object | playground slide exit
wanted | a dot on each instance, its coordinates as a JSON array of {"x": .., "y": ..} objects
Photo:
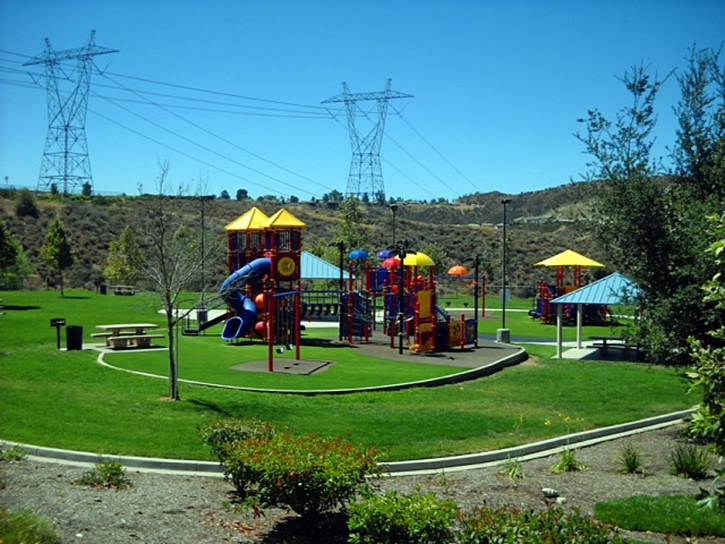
[{"x": 243, "y": 307}]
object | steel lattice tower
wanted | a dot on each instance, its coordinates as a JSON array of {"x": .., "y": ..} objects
[
  {"x": 65, "y": 157},
  {"x": 366, "y": 175}
]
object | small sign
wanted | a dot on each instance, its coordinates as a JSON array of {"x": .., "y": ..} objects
[{"x": 57, "y": 322}]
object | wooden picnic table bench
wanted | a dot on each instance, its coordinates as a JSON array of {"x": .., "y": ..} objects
[
  {"x": 122, "y": 289},
  {"x": 127, "y": 335},
  {"x": 604, "y": 343},
  {"x": 132, "y": 341}
]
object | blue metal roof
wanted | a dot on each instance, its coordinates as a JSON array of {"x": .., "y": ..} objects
[
  {"x": 614, "y": 289},
  {"x": 315, "y": 268}
]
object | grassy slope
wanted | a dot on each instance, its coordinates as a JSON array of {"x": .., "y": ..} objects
[{"x": 65, "y": 400}]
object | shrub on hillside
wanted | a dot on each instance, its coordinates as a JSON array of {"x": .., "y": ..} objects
[{"x": 25, "y": 204}]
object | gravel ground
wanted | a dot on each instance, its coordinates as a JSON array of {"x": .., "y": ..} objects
[{"x": 180, "y": 509}]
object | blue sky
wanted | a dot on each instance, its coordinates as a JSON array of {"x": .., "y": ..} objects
[{"x": 498, "y": 88}]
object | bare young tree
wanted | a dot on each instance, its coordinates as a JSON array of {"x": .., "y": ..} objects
[{"x": 173, "y": 259}]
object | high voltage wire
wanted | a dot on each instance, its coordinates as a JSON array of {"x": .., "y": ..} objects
[
  {"x": 198, "y": 127},
  {"x": 449, "y": 163},
  {"x": 208, "y": 149},
  {"x": 309, "y": 112}
]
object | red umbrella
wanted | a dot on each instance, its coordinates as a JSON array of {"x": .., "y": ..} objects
[
  {"x": 390, "y": 262},
  {"x": 458, "y": 270}
]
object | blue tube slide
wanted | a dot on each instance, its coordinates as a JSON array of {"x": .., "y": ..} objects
[{"x": 243, "y": 307}]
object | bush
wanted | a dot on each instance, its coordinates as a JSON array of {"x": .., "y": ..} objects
[
  {"x": 109, "y": 474},
  {"x": 309, "y": 474},
  {"x": 689, "y": 461},
  {"x": 25, "y": 204},
  {"x": 550, "y": 527},
  {"x": 401, "y": 519},
  {"x": 26, "y": 527},
  {"x": 218, "y": 434}
]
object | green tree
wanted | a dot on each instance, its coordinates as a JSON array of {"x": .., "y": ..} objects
[
  {"x": 125, "y": 259},
  {"x": 650, "y": 224},
  {"x": 56, "y": 252},
  {"x": 14, "y": 263},
  {"x": 351, "y": 228},
  {"x": 708, "y": 380},
  {"x": 242, "y": 194},
  {"x": 8, "y": 249},
  {"x": 224, "y": 195},
  {"x": 87, "y": 189},
  {"x": 25, "y": 204}
]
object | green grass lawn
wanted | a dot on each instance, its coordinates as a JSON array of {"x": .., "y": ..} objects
[
  {"x": 676, "y": 514},
  {"x": 64, "y": 399}
]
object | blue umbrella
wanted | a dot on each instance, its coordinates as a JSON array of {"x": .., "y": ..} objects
[
  {"x": 358, "y": 254},
  {"x": 384, "y": 254}
]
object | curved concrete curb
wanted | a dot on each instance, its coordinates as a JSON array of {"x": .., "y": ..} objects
[
  {"x": 475, "y": 373},
  {"x": 400, "y": 468}
]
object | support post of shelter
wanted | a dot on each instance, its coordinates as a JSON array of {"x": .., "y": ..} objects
[
  {"x": 579, "y": 324},
  {"x": 559, "y": 332}
]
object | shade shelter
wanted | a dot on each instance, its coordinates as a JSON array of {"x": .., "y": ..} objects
[
  {"x": 316, "y": 268},
  {"x": 565, "y": 259},
  {"x": 613, "y": 289}
]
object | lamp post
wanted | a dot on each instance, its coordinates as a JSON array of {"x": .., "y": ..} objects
[
  {"x": 503, "y": 334},
  {"x": 393, "y": 208},
  {"x": 341, "y": 246}
]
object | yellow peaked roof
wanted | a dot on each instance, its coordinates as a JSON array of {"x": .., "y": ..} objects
[
  {"x": 284, "y": 219},
  {"x": 252, "y": 219},
  {"x": 569, "y": 258}
]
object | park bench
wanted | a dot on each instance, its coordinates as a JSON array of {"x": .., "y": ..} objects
[
  {"x": 125, "y": 290},
  {"x": 605, "y": 343},
  {"x": 135, "y": 341}
]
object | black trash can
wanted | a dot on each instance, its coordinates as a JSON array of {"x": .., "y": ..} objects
[
  {"x": 104, "y": 289},
  {"x": 202, "y": 316},
  {"x": 74, "y": 337}
]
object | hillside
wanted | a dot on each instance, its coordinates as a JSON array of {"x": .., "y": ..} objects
[{"x": 541, "y": 224}]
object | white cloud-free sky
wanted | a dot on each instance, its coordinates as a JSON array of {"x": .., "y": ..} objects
[{"x": 498, "y": 87}]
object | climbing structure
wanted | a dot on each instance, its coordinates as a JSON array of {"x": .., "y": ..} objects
[{"x": 545, "y": 292}]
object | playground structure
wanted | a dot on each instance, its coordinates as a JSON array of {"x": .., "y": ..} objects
[
  {"x": 545, "y": 311},
  {"x": 409, "y": 306},
  {"x": 264, "y": 297},
  {"x": 263, "y": 290}
]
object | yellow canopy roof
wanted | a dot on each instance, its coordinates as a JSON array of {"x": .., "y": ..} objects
[
  {"x": 253, "y": 219},
  {"x": 285, "y": 220},
  {"x": 417, "y": 259},
  {"x": 569, "y": 258}
]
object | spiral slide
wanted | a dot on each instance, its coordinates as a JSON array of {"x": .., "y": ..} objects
[{"x": 243, "y": 307}]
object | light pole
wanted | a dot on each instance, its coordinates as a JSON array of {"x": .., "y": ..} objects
[
  {"x": 504, "y": 335},
  {"x": 393, "y": 208},
  {"x": 341, "y": 246}
]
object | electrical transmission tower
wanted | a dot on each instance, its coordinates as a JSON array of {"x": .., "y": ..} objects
[
  {"x": 65, "y": 157},
  {"x": 366, "y": 175}
]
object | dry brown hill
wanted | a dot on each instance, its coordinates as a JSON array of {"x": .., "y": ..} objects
[{"x": 541, "y": 224}]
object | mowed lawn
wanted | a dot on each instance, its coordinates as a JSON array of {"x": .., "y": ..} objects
[{"x": 65, "y": 399}]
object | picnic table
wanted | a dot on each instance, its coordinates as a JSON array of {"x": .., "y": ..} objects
[
  {"x": 604, "y": 343},
  {"x": 127, "y": 335}
]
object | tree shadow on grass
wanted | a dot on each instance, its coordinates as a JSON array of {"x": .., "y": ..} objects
[
  {"x": 210, "y": 406},
  {"x": 76, "y": 297},
  {"x": 14, "y": 308}
]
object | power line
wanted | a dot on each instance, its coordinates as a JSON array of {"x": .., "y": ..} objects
[
  {"x": 400, "y": 114},
  {"x": 182, "y": 153},
  {"x": 255, "y": 155}
]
